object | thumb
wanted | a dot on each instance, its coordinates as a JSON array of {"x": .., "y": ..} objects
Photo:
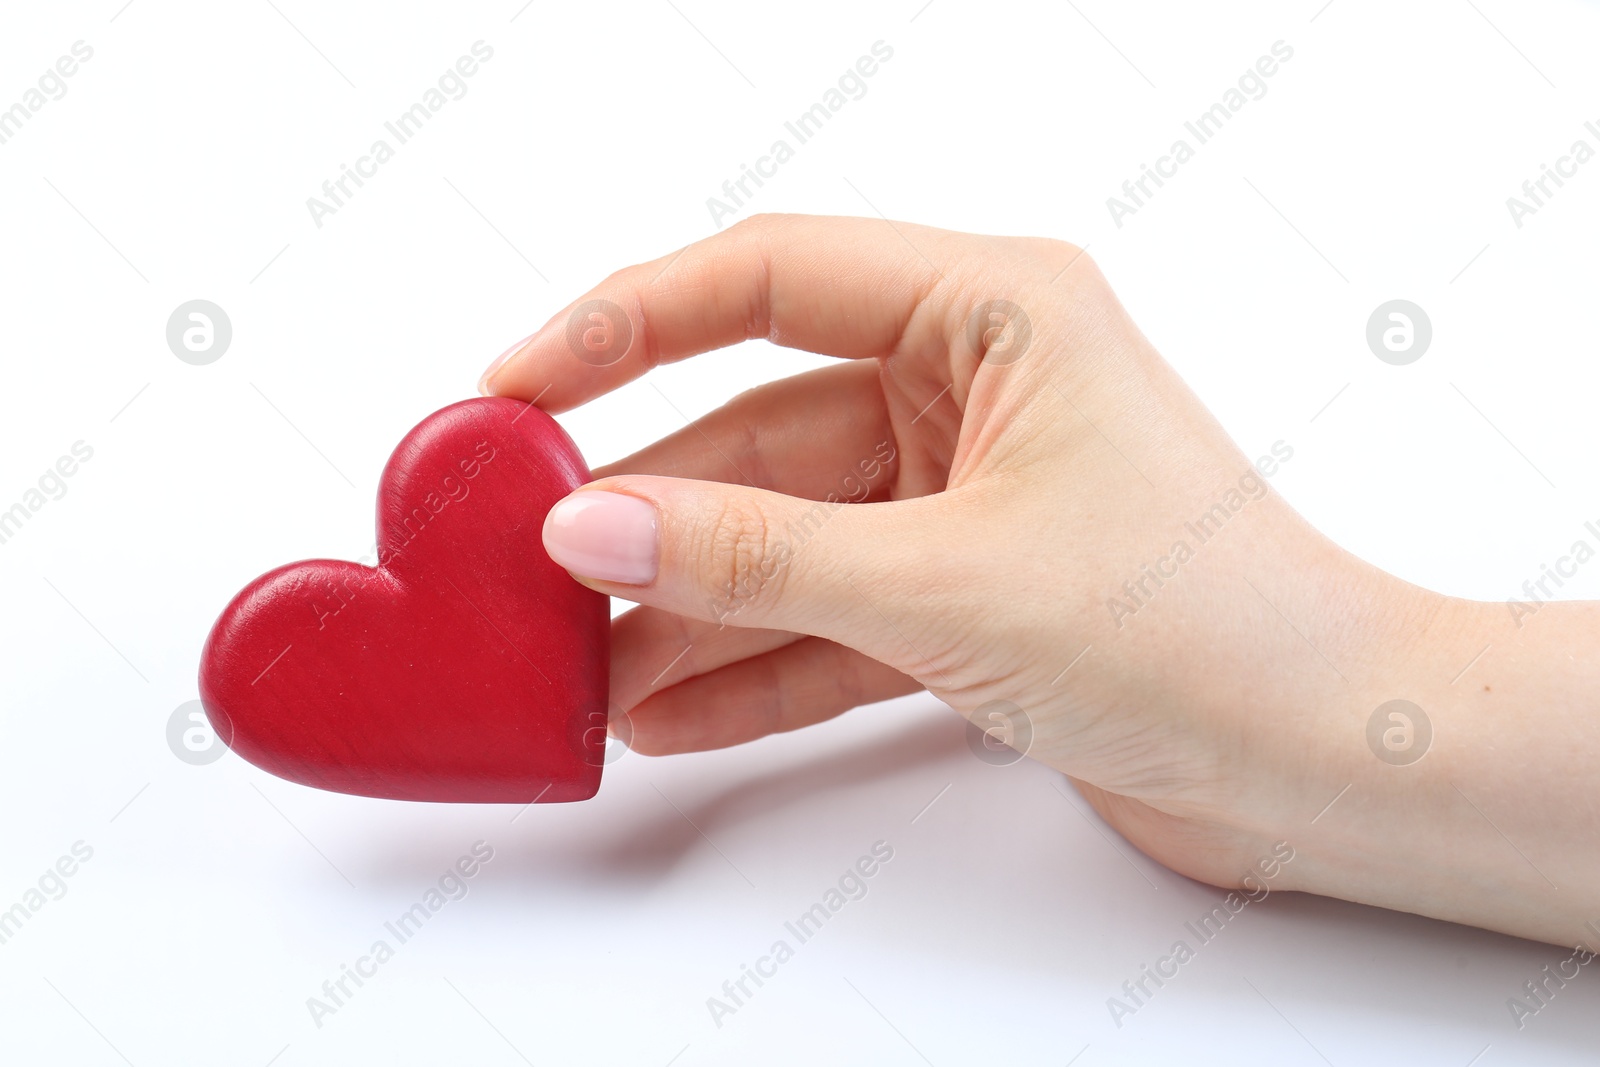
[{"x": 741, "y": 556}]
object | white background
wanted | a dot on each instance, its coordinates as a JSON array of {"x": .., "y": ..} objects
[{"x": 219, "y": 899}]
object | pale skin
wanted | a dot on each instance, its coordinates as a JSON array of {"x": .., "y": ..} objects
[{"x": 1221, "y": 717}]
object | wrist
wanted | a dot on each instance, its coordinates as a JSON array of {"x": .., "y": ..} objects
[{"x": 1455, "y": 791}]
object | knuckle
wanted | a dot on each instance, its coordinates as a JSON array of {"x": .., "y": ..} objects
[
  {"x": 1054, "y": 254},
  {"x": 1055, "y": 248},
  {"x": 746, "y": 555},
  {"x": 760, "y": 222}
]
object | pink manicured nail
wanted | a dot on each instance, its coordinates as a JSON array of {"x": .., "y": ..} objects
[
  {"x": 609, "y": 536},
  {"x": 483, "y": 382}
]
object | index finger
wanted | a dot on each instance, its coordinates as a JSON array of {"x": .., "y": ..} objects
[{"x": 844, "y": 287}]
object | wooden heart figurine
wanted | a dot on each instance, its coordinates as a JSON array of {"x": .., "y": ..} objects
[{"x": 464, "y": 666}]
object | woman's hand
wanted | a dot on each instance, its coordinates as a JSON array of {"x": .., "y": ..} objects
[{"x": 1005, "y": 496}]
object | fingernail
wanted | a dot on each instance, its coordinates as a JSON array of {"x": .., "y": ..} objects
[
  {"x": 483, "y": 382},
  {"x": 609, "y": 536}
]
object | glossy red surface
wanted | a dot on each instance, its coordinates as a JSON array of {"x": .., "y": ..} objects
[{"x": 464, "y": 666}]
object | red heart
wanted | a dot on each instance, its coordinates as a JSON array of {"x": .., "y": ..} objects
[{"x": 465, "y": 666}]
